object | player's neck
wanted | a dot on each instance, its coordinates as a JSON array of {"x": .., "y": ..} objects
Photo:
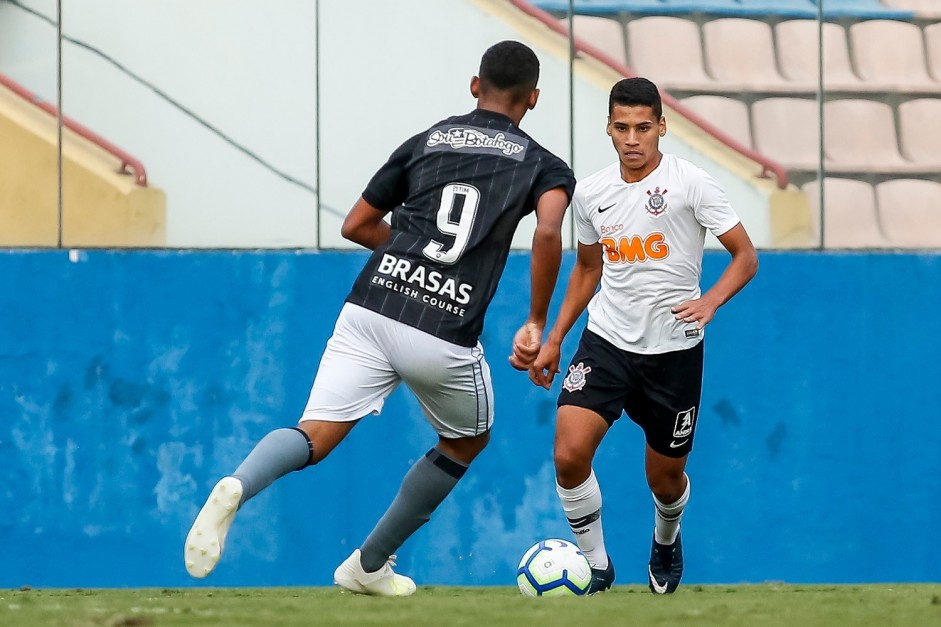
[{"x": 514, "y": 112}]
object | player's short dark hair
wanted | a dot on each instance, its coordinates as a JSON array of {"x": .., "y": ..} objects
[
  {"x": 510, "y": 66},
  {"x": 633, "y": 92}
]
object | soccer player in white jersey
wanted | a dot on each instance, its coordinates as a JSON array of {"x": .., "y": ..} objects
[
  {"x": 457, "y": 192},
  {"x": 641, "y": 225}
]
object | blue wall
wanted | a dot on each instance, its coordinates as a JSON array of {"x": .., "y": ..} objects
[{"x": 131, "y": 381}]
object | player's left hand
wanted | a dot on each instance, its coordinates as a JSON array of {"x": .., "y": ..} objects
[
  {"x": 546, "y": 365},
  {"x": 526, "y": 345},
  {"x": 699, "y": 311}
]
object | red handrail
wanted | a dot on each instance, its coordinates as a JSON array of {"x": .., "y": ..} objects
[
  {"x": 127, "y": 161},
  {"x": 767, "y": 165}
]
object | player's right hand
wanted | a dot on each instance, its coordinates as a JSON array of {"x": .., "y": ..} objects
[{"x": 526, "y": 345}]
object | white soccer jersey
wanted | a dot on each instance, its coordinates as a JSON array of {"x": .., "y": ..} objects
[{"x": 652, "y": 232}]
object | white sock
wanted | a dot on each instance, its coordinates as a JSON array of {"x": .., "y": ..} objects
[
  {"x": 582, "y": 506},
  {"x": 667, "y": 517}
]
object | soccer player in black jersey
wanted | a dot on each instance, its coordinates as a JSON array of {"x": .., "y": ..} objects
[{"x": 456, "y": 193}]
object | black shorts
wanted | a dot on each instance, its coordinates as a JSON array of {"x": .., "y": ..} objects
[{"x": 661, "y": 393}]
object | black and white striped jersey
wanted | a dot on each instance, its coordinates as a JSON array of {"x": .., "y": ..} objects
[{"x": 457, "y": 192}]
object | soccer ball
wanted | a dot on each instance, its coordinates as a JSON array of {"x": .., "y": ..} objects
[{"x": 553, "y": 568}]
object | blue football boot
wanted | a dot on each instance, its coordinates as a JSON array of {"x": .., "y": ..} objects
[
  {"x": 666, "y": 566},
  {"x": 601, "y": 580}
]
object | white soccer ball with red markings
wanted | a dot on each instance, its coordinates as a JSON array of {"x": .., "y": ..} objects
[{"x": 553, "y": 568}]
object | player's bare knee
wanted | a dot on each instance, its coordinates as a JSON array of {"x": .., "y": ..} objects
[
  {"x": 572, "y": 465},
  {"x": 323, "y": 437},
  {"x": 477, "y": 444},
  {"x": 464, "y": 449}
]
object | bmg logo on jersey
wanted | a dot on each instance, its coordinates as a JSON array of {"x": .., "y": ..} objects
[{"x": 634, "y": 248}]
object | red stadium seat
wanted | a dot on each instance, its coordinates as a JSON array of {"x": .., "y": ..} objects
[
  {"x": 850, "y": 218},
  {"x": 798, "y": 55},
  {"x": 729, "y": 114},
  {"x": 920, "y": 131},
  {"x": 933, "y": 49},
  {"x": 859, "y": 136},
  {"x": 740, "y": 55},
  {"x": 910, "y": 212},
  {"x": 890, "y": 56},
  {"x": 605, "y": 34},
  {"x": 776, "y": 135},
  {"x": 678, "y": 65}
]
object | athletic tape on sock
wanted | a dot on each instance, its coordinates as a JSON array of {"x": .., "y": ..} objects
[
  {"x": 310, "y": 448},
  {"x": 445, "y": 463}
]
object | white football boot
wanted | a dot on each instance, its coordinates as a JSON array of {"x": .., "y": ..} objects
[
  {"x": 384, "y": 582},
  {"x": 204, "y": 542}
]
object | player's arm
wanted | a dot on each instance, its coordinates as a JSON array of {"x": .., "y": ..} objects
[
  {"x": 364, "y": 225},
  {"x": 544, "y": 272},
  {"x": 386, "y": 190},
  {"x": 583, "y": 282},
  {"x": 737, "y": 274}
]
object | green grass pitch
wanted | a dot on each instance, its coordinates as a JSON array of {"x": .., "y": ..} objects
[{"x": 745, "y": 605}]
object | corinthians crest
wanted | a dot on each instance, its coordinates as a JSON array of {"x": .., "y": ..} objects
[
  {"x": 577, "y": 377},
  {"x": 656, "y": 205}
]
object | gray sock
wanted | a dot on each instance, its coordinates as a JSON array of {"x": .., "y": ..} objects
[
  {"x": 426, "y": 484},
  {"x": 278, "y": 453}
]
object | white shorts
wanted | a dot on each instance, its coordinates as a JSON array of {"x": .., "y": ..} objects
[{"x": 369, "y": 354}]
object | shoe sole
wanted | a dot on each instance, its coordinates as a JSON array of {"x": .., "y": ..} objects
[
  {"x": 350, "y": 584},
  {"x": 204, "y": 542}
]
